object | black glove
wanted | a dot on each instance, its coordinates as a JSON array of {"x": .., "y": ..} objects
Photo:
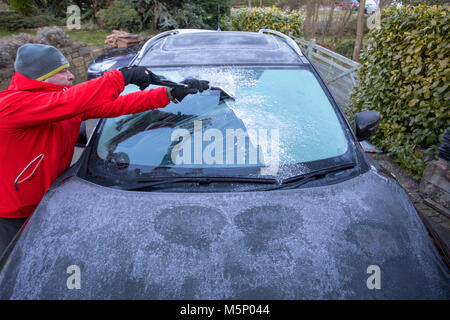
[
  {"x": 139, "y": 76},
  {"x": 200, "y": 85},
  {"x": 177, "y": 94},
  {"x": 194, "y": 85}
]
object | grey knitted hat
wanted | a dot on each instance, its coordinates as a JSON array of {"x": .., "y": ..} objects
[{"x": 39, "y": 61}]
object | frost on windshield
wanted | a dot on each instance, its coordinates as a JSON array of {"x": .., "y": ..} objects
[{"x": 279, "y": 117}]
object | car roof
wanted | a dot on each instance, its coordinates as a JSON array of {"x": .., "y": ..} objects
[{"x": 208, "y": 47}]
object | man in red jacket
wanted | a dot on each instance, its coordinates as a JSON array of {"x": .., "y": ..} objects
[{"x": 40, "y": 117}]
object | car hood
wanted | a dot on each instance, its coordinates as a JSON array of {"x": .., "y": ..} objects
[{"x": 358, "y": 239}]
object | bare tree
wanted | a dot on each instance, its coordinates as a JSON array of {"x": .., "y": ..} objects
[
  {"x": 308, "y": 19},
  {"x": 249, "y": 3},
  {"x": 309, "y": 16},
  {"x": 332, "y": 4},
  {"x": 359, "y": 30},
  {"x": 345, "y": 20},
  {"x": 315, "y": 17},
  {"x": 261, "y": 3}
]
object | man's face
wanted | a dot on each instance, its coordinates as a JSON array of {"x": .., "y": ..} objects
[{"x": 62, "y": 78}]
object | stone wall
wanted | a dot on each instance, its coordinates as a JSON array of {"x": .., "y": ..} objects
[{"x": 78, "y": 54}]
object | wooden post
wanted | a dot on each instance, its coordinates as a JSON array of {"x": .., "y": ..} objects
[{"x": 311, "y": 46}]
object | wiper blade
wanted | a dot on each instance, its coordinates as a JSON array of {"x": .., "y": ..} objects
[
  {"x": 146, "y": 183},
  {"x": 320, "y": 172},
  {"x": 299, "y": 180},
  {"x": 289, "y": 183}
]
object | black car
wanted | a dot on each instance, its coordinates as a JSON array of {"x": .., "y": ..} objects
[
  {"x": 261, "y": 193},
  {"x": 114, "y": 59}
]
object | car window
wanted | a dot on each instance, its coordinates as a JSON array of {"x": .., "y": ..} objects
[{"x": 279, "y": 117}]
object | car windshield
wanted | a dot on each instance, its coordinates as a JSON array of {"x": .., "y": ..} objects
[{"x": 279, "y": 123}]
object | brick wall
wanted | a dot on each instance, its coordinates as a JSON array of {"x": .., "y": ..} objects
[{"x": 78, "y": 54}]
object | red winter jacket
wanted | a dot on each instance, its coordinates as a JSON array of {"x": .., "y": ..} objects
[{"x": 41, "y": 121}]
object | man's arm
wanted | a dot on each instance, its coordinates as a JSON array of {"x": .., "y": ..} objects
[
  {"x": 130, "y": 103},
  {"x": 23, "y": 108},
  {"x": 145, "y": 100}
]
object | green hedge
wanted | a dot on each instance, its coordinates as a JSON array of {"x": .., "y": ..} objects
[
  {"x": 11, "y": 20},
  {"x": 24, "y": 7},
  {"x": 267, "y": 18},
  {"x": 345, "y": 47},
  {"x": 405, "y": 76}
]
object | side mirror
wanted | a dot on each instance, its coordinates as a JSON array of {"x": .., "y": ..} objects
[
  {"x": 366, "y": 124},
  {"x": 82, "y": 137}
]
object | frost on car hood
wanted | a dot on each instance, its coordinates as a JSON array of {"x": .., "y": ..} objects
[{"x": 312, "y": 243}]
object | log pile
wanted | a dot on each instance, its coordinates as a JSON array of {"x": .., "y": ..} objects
[{"x": 121, "y": 39}]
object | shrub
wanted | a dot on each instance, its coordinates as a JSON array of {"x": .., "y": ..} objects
[
  {"x": 11, "y": 20},
  {"x": 351, "y": 27},
  {"x": 345, "y": 47},
  {"x": 190, "y": 16},
  {"x": 9, "y": 47},
  {"x": 120, "y": 15},
  {"x": 180, "y": 14},
  {"x": 267, "y": 18},
  {"x": 5, "y": 59},
  {"x": 24, "y": 7},
  {"x": 145, "y": 10},
  {"x": 404, "y": 76},
  {"x": 53, "y": 36},
  {"x": 49, "y": 35},
  {"x": 213, "y": 10}
]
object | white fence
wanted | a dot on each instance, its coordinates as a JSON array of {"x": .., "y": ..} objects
[{"x": 339, "y": 71}]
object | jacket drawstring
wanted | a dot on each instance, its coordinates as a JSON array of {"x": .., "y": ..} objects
[{"x": 17, "y": 181}]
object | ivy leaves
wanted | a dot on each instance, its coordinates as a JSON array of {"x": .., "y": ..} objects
[{"x": 404, "y": 75}]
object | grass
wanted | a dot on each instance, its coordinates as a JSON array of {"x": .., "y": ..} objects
[
  {"x": 93, "y": 38},
  {"x": 7, "y": 33}
]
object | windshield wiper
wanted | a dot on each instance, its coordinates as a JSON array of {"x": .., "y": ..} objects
[
  {"x": 299, "y": 180},
  {"x": 289, "y": 183},
  {"x": 146, "y": 183}
]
